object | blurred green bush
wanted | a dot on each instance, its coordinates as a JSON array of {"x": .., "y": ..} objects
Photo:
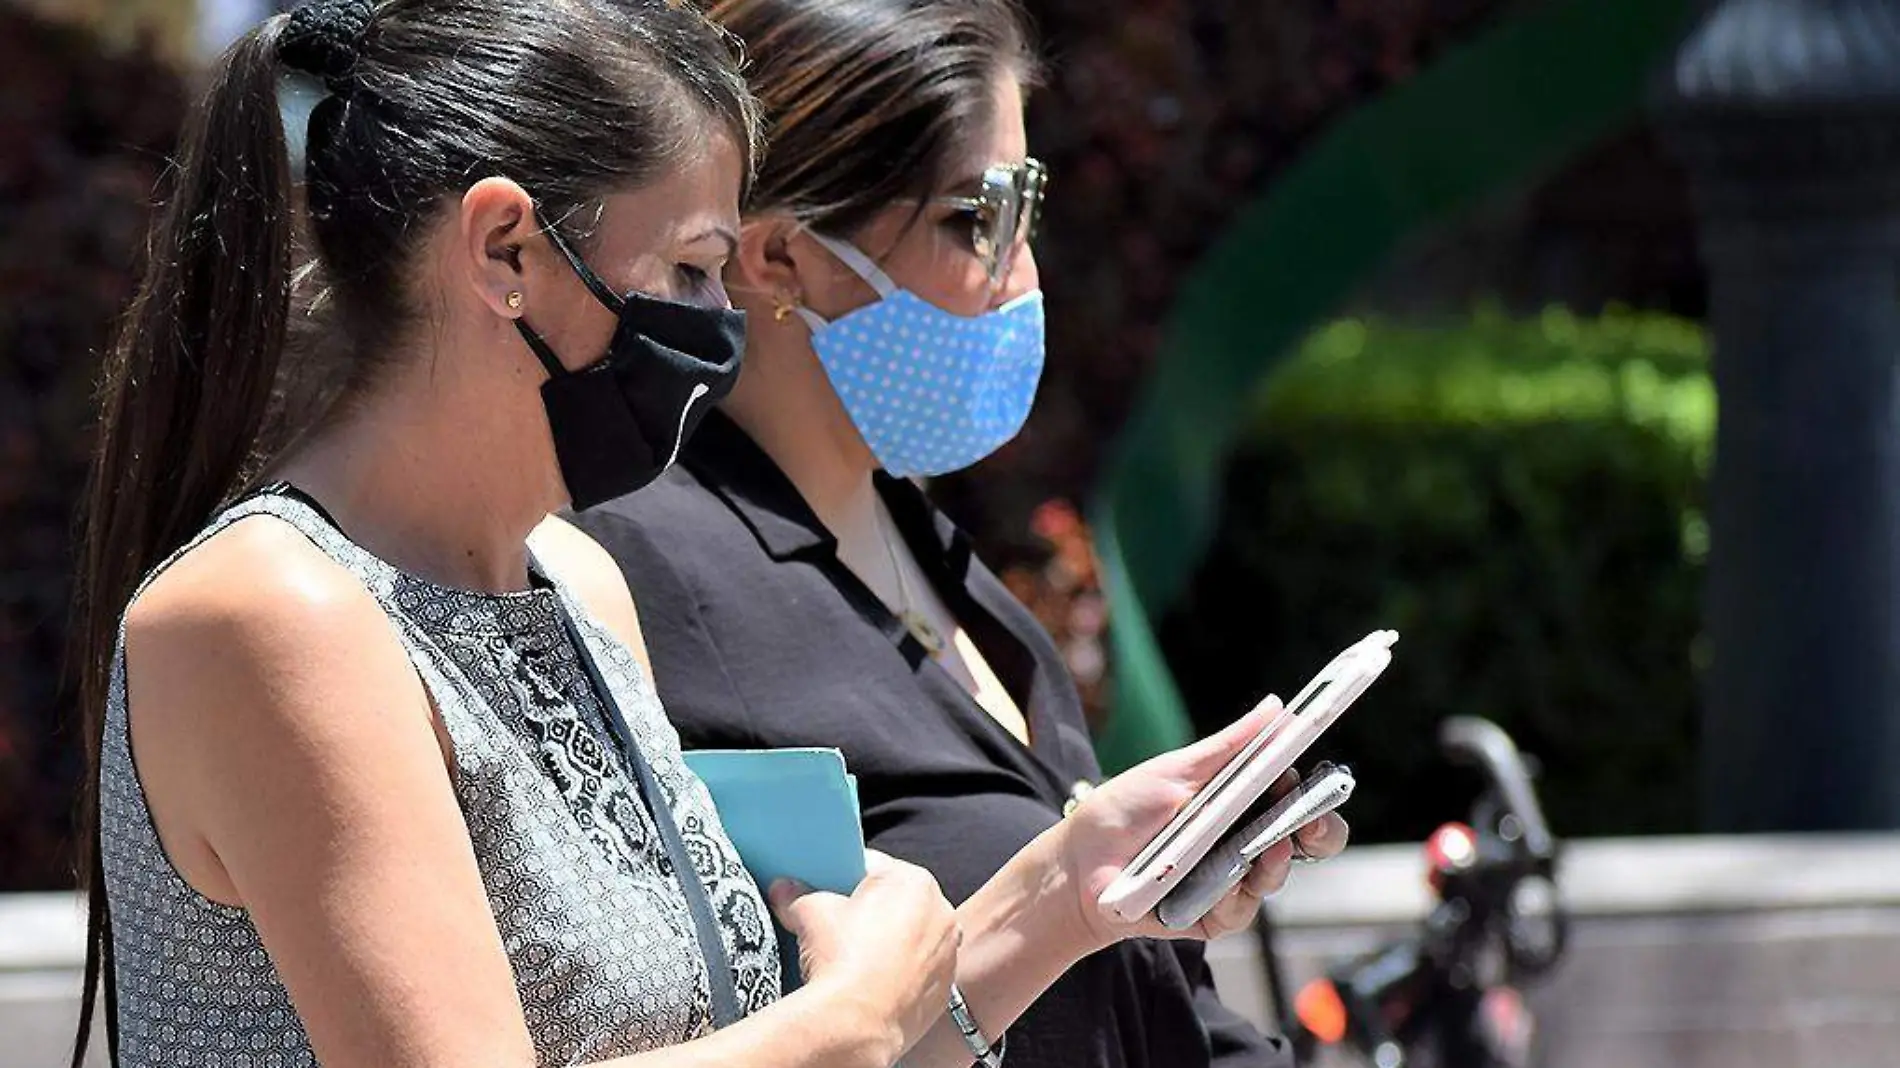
[{"x": 1523, "y": 501}]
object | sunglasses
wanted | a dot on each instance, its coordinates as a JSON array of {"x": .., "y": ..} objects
[{"x": 1003, "y": 213}]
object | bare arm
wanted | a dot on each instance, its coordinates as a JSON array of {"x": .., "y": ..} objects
[{"x": 289, "y": 753}]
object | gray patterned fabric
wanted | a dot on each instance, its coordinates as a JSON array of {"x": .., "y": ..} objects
[{"x": 594, "y": 922}]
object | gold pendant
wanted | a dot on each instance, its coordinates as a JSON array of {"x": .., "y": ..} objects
[{"x": 925, "y": 634}]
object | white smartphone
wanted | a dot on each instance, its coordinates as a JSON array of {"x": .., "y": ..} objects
[
  {"x": 1220, "y": 804},
  {"x": 1327, "y": 788}
]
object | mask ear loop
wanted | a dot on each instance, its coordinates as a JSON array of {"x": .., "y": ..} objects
[
  {"x": 861, "y": 265},
  {"x": 598, "y": 288},
  {"x": 614, "y": 301},
  {"x": 549, "y": 361}
]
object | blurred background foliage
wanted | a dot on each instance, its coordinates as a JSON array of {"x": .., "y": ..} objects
[
  {"x": 1161, "y": 120},
  {"x": 1521, "y": 498}
]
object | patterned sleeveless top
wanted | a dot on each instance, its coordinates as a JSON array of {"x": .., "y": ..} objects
[{"x": 594, "y": 921}]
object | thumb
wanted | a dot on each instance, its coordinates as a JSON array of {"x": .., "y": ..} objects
[
  {"x": 783, "y": 896},
  {"x": 794, "y": 904},
  {"x": 879, "y": 865},
  {"x": 1199, "y": 762}
]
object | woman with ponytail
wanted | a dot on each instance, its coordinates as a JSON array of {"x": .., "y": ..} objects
[{"x": 379, "y": 778}]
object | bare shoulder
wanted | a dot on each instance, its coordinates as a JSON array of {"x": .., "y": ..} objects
[
  {"x": 258, "y": 589},
  {"x": 257, "y": 632},
  {"x": 258, "y": 667},
  {"x": 590, "y": 571}
]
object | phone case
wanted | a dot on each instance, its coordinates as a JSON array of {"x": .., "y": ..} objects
[
  {"x": 1223, "y": 869},
  {"x": 1226, "y": 798}
]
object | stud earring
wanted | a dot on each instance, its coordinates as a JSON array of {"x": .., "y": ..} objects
[{"x": 514, "y": 300}]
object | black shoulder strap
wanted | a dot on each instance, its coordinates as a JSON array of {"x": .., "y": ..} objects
[
  {"x": 725, "y": 993},
  {"x": 285, "y": 489}
]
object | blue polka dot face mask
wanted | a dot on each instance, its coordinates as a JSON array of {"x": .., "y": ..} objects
[{"x": 930, "y": 391}]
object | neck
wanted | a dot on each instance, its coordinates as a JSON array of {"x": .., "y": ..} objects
[
  {"x": 800, "y": 423},
  {"x": 410, "y": 478}
]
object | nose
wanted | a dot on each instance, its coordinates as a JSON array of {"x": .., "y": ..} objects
[{"x": 1024, "y": 277}]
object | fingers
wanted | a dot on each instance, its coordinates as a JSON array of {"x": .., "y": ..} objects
[
  {"x": 1236, "y": 912},
  {"x": 1323, "y": 838},
  {"x": 799, "y": 907},
  {"x": 893, "y": 880},
  {"x": 884, "y": 874},
  {"x": 1199, "y": 762},
  {"x": 880, "y": 868},
  {"x": 1285, "y": 783},
  {"x": 1269, "y": 873},
  {"x": 784, "y": 892}
]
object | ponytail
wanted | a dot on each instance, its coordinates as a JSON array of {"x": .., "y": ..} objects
[{"x": 184, "y": 394}]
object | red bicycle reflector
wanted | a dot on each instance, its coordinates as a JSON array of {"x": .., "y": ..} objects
[
  {"x": 1453, "y": 847},
  {"x": 1321, "y": 1011}
]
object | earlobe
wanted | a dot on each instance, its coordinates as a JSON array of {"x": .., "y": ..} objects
[
  {"x": 497, "y": 220},
  {"x": 783, "y": 305}
]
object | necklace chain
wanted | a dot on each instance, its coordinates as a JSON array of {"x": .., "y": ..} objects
[{"x": 912, "y": 619}]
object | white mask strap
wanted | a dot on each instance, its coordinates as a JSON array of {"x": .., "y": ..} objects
[{"x": 859, "y": 263}]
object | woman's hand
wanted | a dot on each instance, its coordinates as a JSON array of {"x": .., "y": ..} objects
[
  {"x": 890, "y": 949},
  {"x": 1116, "y": 821},
  {"x": 1038, "y": 916}
]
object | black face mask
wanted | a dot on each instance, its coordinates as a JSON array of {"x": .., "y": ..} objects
[{"x": 620, "y": 422}]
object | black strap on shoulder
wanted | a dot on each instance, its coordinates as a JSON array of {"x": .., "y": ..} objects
[
  {"x": 285, "y": 489},
  {"x": 725, "y": 992}
]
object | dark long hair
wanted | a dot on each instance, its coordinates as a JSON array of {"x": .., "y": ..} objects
[
  {"x": 573, "y": 99},
  {"x": 868, "y": 102}
]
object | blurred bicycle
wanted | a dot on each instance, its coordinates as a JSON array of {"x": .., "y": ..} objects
[{"x": 1448, "y": 995}]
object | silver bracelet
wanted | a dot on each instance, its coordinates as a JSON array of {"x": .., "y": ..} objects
[{"x": 986, "y": 1055}]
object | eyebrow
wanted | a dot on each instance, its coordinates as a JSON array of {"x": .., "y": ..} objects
[
  {"x": 968, "y": 186},
  {"x": 731, "y": 239}
]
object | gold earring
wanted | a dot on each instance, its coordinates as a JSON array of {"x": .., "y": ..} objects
[
  {"x": 782, "y": 307},
  {"x": 514, "y": 300}
]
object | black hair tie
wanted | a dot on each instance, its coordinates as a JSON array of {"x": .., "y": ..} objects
[{"x": 325, "y": 39}]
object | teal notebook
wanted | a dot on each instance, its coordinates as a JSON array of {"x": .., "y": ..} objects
[{"x": 792, "y": 813}]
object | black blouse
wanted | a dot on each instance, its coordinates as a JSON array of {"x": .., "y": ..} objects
[{"x": 762, "y": 638}]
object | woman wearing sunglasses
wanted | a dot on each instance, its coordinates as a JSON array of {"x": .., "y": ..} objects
[{"x": 798, "y": 589}]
